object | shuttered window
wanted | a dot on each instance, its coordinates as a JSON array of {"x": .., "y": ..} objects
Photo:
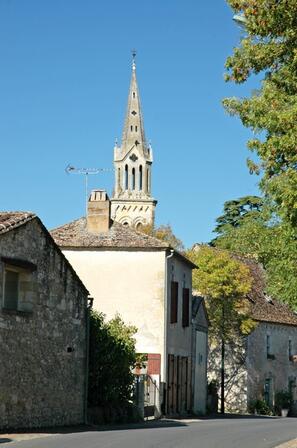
[
  {"x": 174, "y": 302},
  {"x": 186, "y": 304},
  {"x": 11, "y": 290}
]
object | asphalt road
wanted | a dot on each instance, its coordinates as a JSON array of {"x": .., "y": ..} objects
[{"x": 243, "y": 432}]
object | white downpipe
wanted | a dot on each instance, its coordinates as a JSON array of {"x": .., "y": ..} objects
[{"x": 167, "y": 257}]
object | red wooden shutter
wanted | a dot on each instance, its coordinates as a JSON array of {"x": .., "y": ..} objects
[
  {"x": 153, "y": 364},
  {"x": 186, "y": 303},
  {"x": 174, "y": 302}
]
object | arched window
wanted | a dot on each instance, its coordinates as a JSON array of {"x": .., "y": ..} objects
[
  {"x": 147, "y": 180},
  {"x": 140, "y": 177},
  {"x": 136, "y": 128},
  {"x": 131, "y": 128},
  {"x": 119, "y": 178},
  {"x": 126, "y": 177},
  {"x": 133, "y": 94},
  {"x": 133, "y": 178}
]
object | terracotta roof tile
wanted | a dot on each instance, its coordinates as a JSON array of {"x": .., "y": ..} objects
[
  {"x": 264, "y": 308},
  {"x": 11, "y": 220},
  {"x": 76, "y": 234}
]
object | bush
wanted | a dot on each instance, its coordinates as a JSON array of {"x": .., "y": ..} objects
[
  {"x": 112, "y": 357},
  {"x": 260, "y": 407},
  {"x": 283, "y": 400}
]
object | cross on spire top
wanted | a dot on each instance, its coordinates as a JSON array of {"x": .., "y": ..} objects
[{"x": 133, "y": 59}]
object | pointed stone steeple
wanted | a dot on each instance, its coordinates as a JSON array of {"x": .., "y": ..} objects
[
  {"x": 132, "y": 203},
  {"x": 133, "y": 132}
]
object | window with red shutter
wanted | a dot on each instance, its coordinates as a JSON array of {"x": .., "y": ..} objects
[
  {"x": 174, "y": 302},
  {"x": 186, "y": 304}
]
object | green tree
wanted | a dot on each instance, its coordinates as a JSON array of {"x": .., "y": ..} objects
[
  {"x": 238, "y": 211},
  {"x": 269, "y": 48},
  {"x": 164, "y": 233},
  {"x": 224, "y": 281},
  {"x": 112, "y": 357},
  {"x": 268, "y": 240}
]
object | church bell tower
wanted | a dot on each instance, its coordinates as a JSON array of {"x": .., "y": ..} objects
[{"x": 132, "y": 203}]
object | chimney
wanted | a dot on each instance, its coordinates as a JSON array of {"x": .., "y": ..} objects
[{"x": 98, "y": 218}]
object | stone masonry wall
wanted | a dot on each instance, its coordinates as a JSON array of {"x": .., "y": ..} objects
[
  {"x": 43, "y": 343},
  {"x": 235, "y": 373},
  {"x": 278, "y": 367}
]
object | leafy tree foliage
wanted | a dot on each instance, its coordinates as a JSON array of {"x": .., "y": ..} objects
[
  {"x": 224, "y": 281},
  {"x": 112, "y": 357},
  {"x": 222, "y": 278},
  {"x": 270, "y": 241},
  {"x": 164, "y": 233},
  {"x": 237, "y": 211},
  {"x": 269, "y": 47}
]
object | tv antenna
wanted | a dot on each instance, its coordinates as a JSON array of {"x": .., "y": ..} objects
[{"x": 86, "y": 172}]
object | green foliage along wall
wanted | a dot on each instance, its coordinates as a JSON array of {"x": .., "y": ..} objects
[{"x": 112, "y": 358}]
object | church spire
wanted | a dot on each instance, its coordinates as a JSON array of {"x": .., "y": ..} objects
[
  {"x": 132, "y": 202},
  {"x": 133, "y": 132}
]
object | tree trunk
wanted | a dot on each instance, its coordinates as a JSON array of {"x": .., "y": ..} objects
[{"x": 223, "y": 359}]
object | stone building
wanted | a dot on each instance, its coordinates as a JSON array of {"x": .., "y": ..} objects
[
  {"x": 43, "y": 330},
  {"x": 149, "y": 284},
  {"x": 132, "y": 203},
  {"x": 264, "y": 362}
]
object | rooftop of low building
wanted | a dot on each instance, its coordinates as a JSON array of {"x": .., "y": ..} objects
[
  {"x": 75, "y": 235},
  {"x": 11, "y": 220},
  {"x": 14, "y": 219}
]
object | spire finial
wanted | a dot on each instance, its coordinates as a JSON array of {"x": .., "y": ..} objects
[{"x": 133, "y": 59}]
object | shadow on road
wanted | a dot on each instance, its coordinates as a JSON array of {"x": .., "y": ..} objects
[{"x": 5, "y": 440}]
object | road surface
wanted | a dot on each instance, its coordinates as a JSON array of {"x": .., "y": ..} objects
[{"x": 244, "y": 432}]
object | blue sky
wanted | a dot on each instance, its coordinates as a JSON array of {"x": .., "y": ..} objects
[{"x": 64, "y": 78}]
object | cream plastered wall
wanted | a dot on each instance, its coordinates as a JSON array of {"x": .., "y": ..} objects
[{"x": 130, "y": 283}]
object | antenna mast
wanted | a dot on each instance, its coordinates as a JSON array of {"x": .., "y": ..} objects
[{"x": 86, "y": 172}]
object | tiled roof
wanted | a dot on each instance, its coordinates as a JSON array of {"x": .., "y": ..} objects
[
  {"x": 11, "y": 220},
  {"x": 76, "y": 234},
  {"x": 264, "y": 308}
]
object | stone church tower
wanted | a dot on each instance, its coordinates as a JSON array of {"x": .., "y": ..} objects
[{"x": 132, "y": 203}]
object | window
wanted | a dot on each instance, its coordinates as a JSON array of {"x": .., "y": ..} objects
[
  {"x": 147, "y": 180},
  {"x": 133, "y": 94},
  {"x": 290, "y": 349},
  {"x": 126, "y": 178},
  {"x": 186, "y": 304},
  {"x": 119, "y": 178},
  {"x": 133, "y": 178},
  {"x": 135, "y": 128},
  {"x": 174, "y": 302},
  {"x": 19, "y": 284},
  {"x": 11, "y": 289},
  {"x": 268, "y": 346},
  {"x": 140, "y": 177},
  {"x": 131, "y": 128},
  {"x": 267, "y": 391}
]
